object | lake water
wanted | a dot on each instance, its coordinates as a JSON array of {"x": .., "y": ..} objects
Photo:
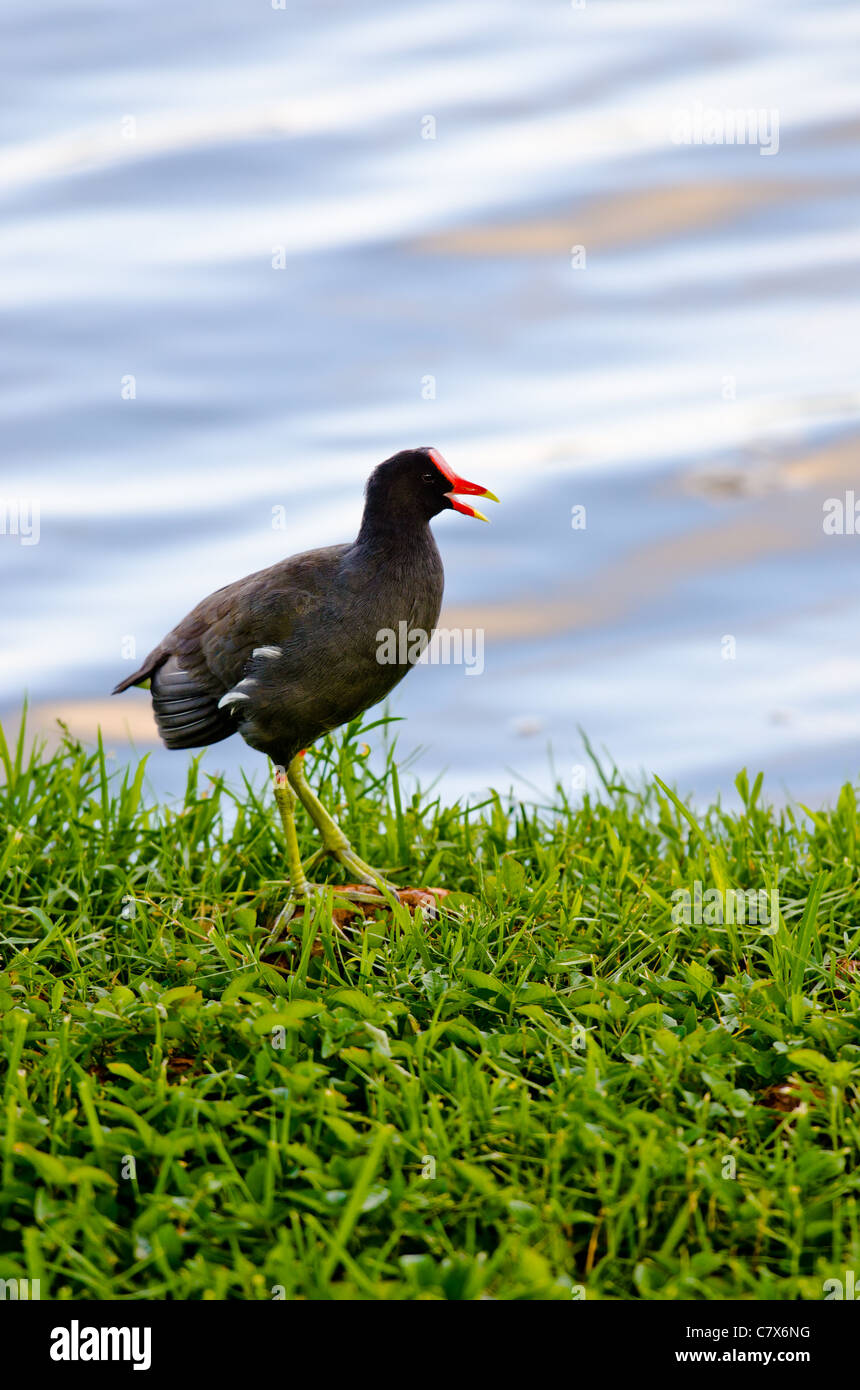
[{"x": 249, "y": 252}]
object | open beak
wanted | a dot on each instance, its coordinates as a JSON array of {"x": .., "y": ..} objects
[{"x": 462, "y": 486}]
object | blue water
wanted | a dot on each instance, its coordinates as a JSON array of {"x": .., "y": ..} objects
[{"x": 694, "y": 384}]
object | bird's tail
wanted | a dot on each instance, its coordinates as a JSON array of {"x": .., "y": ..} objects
[
  {"x": 187, "y": 714},
  {"x": 140, "y": 677}
]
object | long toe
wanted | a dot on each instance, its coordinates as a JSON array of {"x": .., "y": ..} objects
[
  {"x": 363, "y": 871},
  {"x": 378, "y": 894}
]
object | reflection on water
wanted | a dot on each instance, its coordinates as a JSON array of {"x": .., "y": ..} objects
[{"x": 246, "y": 260}]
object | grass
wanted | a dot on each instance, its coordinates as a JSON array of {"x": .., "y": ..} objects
[{"x": 552, "y": 1091}]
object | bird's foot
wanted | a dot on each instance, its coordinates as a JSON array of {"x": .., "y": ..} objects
[
  {"x": 347, "y": 856},
  {"x": 304, "y": 892},
  {"x": 335, "y": 843},
  {"x": 353, "y": 900},
  {"x": 372, "y": 887},
  {"x": 353, "y": 892}
]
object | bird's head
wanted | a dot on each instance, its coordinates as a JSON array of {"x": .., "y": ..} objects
[{"x": 418, "y": 483}]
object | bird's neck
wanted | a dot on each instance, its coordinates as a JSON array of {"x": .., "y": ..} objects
[
  {"x": 397, "y": 569},
  {"x": 383, "y": 533}
]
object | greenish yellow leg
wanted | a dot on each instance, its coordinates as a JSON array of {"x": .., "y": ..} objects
[
  {"x": 286, "y": 802},
  {"x": 333, "y": 838}
]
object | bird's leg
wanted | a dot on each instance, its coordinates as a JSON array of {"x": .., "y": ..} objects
[
  {"x": 333, "y": 838},
  {"x": 286, "y": 802}
]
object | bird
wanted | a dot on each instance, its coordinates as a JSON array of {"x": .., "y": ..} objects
[{"x": 294, "y": 651}]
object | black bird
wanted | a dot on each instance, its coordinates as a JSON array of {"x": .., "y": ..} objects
[{"x": 293, "y": 651}]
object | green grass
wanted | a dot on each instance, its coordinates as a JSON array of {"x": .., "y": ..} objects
[{"x": 553, "y": 1091}]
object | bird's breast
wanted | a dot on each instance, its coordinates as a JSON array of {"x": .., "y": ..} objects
[{"x": 342, "y": 652}]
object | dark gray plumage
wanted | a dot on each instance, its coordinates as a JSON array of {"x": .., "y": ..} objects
[
  {"x": 293, "y": 651},
  {"x": 299, "y": 639}
]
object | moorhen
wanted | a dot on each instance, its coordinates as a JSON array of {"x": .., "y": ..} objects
[{"x": 293, "y": 651}]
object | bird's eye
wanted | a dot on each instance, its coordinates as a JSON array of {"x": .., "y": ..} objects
[{"x": 426, "y": 477}]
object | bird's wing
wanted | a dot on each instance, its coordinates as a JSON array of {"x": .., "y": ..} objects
[{"x": 205, "y": 655}]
